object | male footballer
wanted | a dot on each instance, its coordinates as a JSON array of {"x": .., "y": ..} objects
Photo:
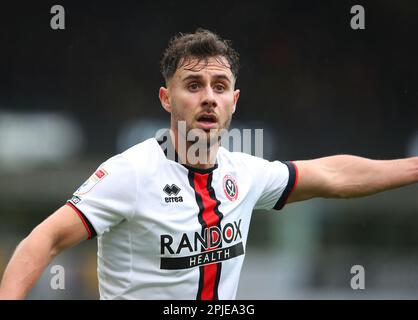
[{"x": 171, "y": 227}]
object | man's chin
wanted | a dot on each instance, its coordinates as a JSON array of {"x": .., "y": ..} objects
[{"x": 204, "y": 136}]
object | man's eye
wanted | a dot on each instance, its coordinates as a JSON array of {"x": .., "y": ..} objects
[
  {"x": 219, "y": 87},
  {"x": 194, "y": 86}
]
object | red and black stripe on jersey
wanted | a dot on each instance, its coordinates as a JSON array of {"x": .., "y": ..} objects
[{"x": 208, "y": 216}]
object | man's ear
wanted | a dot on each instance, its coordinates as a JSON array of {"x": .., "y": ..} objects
[
  {"x": 165, "y": 99},
  {"x": 236, "y": 96}
]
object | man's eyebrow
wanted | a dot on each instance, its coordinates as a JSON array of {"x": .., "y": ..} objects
[
  {"x": 199, "y": 77},
  {"x": 192, "y": 77},
  {"x": 222, "y": 77}
]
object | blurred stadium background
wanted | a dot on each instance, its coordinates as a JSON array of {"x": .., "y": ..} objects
[{"x": 70, "y": 99}]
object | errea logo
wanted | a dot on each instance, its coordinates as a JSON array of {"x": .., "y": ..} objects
[{"x": 170, "y": 191}]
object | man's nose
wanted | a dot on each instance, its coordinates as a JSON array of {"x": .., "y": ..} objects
[{"x": 209, "y": 99}]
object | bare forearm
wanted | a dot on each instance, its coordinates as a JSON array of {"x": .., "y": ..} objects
[
  {"x": 357, "y": 177},
  {"x": 28, "y": 262},
  {"x": 60, "y": 231}
]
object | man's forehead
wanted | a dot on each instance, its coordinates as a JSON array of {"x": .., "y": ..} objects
[{"x": 192, "y": 65}]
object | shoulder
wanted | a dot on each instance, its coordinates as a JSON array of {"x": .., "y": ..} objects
[
  {"x": 141, "y": 150},
  {"x": 145, "y": 154},
  {"x": 253, "y": 165},
  {"x": 240, "y": 158},
  {"x": 141, "y": 154}
]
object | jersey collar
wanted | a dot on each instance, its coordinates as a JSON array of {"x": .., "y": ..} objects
[{"x": 167, "y": 146}]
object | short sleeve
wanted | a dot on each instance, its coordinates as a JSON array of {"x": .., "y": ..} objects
[
  {"x": 108, "y": 197},
  {"x": 276, "y": 180}
]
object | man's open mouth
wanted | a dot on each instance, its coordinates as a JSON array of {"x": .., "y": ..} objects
[
  {"x": 207, "y": 118},
  {"x": 207, "y": 122}
]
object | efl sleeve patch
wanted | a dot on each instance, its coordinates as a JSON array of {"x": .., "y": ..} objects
[
  {"x": 94, "y": 179},
  {"x": 109, "y": 196}
]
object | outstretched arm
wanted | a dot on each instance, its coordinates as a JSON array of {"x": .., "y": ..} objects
[
  {"x": 346, "y": 176},
  {"x": 61, "y": 230}
]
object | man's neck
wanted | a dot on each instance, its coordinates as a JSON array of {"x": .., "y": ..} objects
[{"x": 191, "y": 154}]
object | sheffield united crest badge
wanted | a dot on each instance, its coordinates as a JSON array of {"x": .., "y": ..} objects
[{"x": 230, "y": 187}]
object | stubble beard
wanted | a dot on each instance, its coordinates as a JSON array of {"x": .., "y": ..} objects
[{"x": 205, "y": 141}]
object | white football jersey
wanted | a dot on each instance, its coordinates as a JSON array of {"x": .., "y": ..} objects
[{"x": 169, "y": 231}]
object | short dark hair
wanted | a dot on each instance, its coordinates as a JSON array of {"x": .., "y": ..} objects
[{"x": 202, "y": 44}]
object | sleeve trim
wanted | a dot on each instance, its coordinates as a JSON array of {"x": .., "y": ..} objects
[
  {"x": 89, "y": 227},
  {"x": 291, "y": 185}
]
